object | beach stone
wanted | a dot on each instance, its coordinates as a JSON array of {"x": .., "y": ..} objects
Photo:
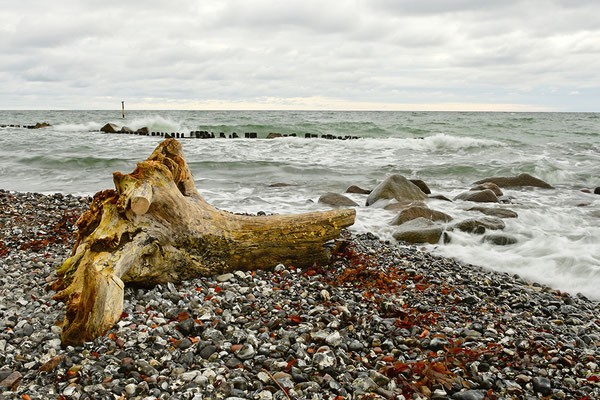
[
  {"x": 419, "y": 230},
  {"x": 479, "y": 196},
  {"x": 126, "y": 130},
  {"x": 597, "y": 190},
  {"x": 280, "y": 184},
  {"x": 11, "y": 380},
  {"x": 421, "y": 185},
  {"x": 39, "y": 125},
  {"x": 470, "y": 395},
  {"x": 402, "y": 205},
  {"x": 396, "y": 187},
  {"x": 337, "y": 200},
  {"x": 207, "y": 351},
  {"x": 246, "y": 353},
  {"x": 224, "y": 277},
  {"x": 357, "y": 190},
  {"x": 324, "y": 360},
  {"x": 109, "y": 128},
  {"x": 542, "y": 385},
  {"x": 439, "y": 197},
  {"x": 474, "y": 225},
  {"x": 491, "y": 186},
  {"x": 437, "y": 343},
  {"x": 495, "y": 212},
  {"x": 516, "y": 181},
  {"x": 416, "y": 212},
  {"x": 500, "y": 240},
  {"x": 364, "y": 385},
  {"x": 274, "y": 135},
  {"x": 130, "y": 389},
  {"x": 142, "y": 131}
]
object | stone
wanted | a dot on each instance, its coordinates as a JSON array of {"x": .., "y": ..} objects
[
  {"x": 542, "y": 385},
  {"x": 421, "y": 185},
  {"x": 597, "y": 190},
  {"x": 470, "y": 395},
  {"x": 109, "y": 128},
  {"x": 396, "y": 187},
  {"x": 357, "y": 190},
  {"x": 51, "y": 364},
  {"x": 142, "y": 131},
  {"x": 207, "y": 351},
  {"x": 479, "y": 196},
  {"x": 479, "y": 225},
  {"x": 495, "y": 212},
  {"x": 12, "y": 380},
  {"x": 324, "y": 360},
  {"x": 403, "y": 205},
  {"x": 334, "y": 339},
  {"x": 337, "y": 200},
  {"x": 126, "y": 130},
  {"x": 41, "y": 125},
  {"x": 130, "y": 389},
  {"x": 500, "y": 240},
  {"x": 280, "y": 184},
  {"x": 516, "y": 181},
  {"x": 274, "y": 135},
  {"x": 364, "y": 385},
  {"x": 246, "y": 353},
  {"x": 419, "y": 230},
  {"x": 416, "y": 212},
  {"x": 224, "y": 277},
  {"x": 489, "y": 185},
  {"x": 438, "y": 343},
  {"x": 439, "y": 197}
]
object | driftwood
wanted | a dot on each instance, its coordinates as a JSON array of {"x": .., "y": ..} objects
[{"x": 156, "y": 228}]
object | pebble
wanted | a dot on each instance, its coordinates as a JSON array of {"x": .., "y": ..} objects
[{"x": 316, "y": 335}]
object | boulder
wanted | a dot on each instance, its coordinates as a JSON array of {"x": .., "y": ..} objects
[
  {"x": 356, "y": 189},
  {"x": 597, "y": 190},
  {"x": 421, "y": 185},
  {"x": 419, "y": 230},
  {"x": 479, "y": 225},
  {"x": 402, "y": 205},
  {"x": 396, "y": 187},
  {"x": 142, "y": 131},
  {"x": 126, "y": 130},
  {"x": 41, "y": 125},
  {"x": 516, "y": 181},
  {"x": 274, "y": 135},
  {"x": 479, "y": 196},
  {"x": 495, "y": 212},
  {"x": 109, "y": 128},
  {"x": 280, "y": 184},
  {"x": 499, "y": 240},
  {"x": 439, "y": 197},
  {"x": 418, "y": 212},
  {"x": 336, "y": 200},
  {"x": 489, "y": 185}
]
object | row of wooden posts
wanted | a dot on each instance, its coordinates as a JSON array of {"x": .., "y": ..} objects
[{"x": 234, "y": 135}]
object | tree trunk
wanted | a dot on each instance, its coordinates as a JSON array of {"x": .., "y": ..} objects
[{"x": 156, "y": 228}]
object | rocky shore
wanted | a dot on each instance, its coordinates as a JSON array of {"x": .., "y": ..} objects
[{"x": 381, "y": 321}]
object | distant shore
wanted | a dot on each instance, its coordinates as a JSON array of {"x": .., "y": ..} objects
[{"x": 380, "y": 320}]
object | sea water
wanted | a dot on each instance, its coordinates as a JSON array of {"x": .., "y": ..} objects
[{"x": 558, "y": 230}]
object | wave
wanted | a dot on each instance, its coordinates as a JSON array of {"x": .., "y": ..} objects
[
  {"x": 440, "y": 142},
  {"x": 154, "y": 123},
  {"x": 72, "y": 162}
]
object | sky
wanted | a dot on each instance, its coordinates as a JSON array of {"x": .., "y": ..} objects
[{"x": 488, "y": 55}]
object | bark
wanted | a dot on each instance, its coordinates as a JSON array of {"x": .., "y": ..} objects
[{"x": 156, "y": 228}]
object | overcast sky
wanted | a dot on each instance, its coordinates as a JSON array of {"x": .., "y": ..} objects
[{"x": 287, "y": 54}]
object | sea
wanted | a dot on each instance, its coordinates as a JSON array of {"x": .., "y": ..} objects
[{"x": 558, "y": 230}]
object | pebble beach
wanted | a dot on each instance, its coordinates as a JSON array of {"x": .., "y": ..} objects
[{"x": 381, "y": 321}]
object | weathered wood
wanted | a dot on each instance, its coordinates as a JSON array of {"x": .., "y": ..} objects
[{"x": 156, "y": 228}]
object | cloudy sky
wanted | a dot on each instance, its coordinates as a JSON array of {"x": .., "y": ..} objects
[{"x": 288, "y": 54}]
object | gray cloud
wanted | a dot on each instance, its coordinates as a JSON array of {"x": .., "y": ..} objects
[{"x": 71, "y": 54}]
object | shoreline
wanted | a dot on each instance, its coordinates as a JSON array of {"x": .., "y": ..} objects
[{"x": 380, "y": 319}]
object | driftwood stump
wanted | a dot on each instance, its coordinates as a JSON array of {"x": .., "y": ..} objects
[{"x": 156, "y": 228}]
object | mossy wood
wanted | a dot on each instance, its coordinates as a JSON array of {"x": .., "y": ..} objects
[{"x": 156, "y": 228}]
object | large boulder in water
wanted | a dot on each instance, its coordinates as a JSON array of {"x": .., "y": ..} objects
[
  {"x": 489, "y": 185},
  {"x": 403, "y": 205},
  {"x": 396, "y": 187},
  {"x": 411, "y": 213},
  {"x": 41, "y": 125},
  {"x": 516, "y": 181},
  {"x": 479, "y": 196},
  {"x": 495, "y": 212},
  {"x": 109, "y": 128},
  {"x": 142, "y": 131},
  {"x": 274, "y": 135},
  {"x": 337, "y": 200},
  {"x": 479, "y": 225},
  {"x": 126, "y": 130},
  {"x": 597, "y": 190},
  {"x": 358, "y": 190},
  {"x": 499, "y": 239},
  {"x": 419, "y": 230},
  {"x": 421, "y": 185}
]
